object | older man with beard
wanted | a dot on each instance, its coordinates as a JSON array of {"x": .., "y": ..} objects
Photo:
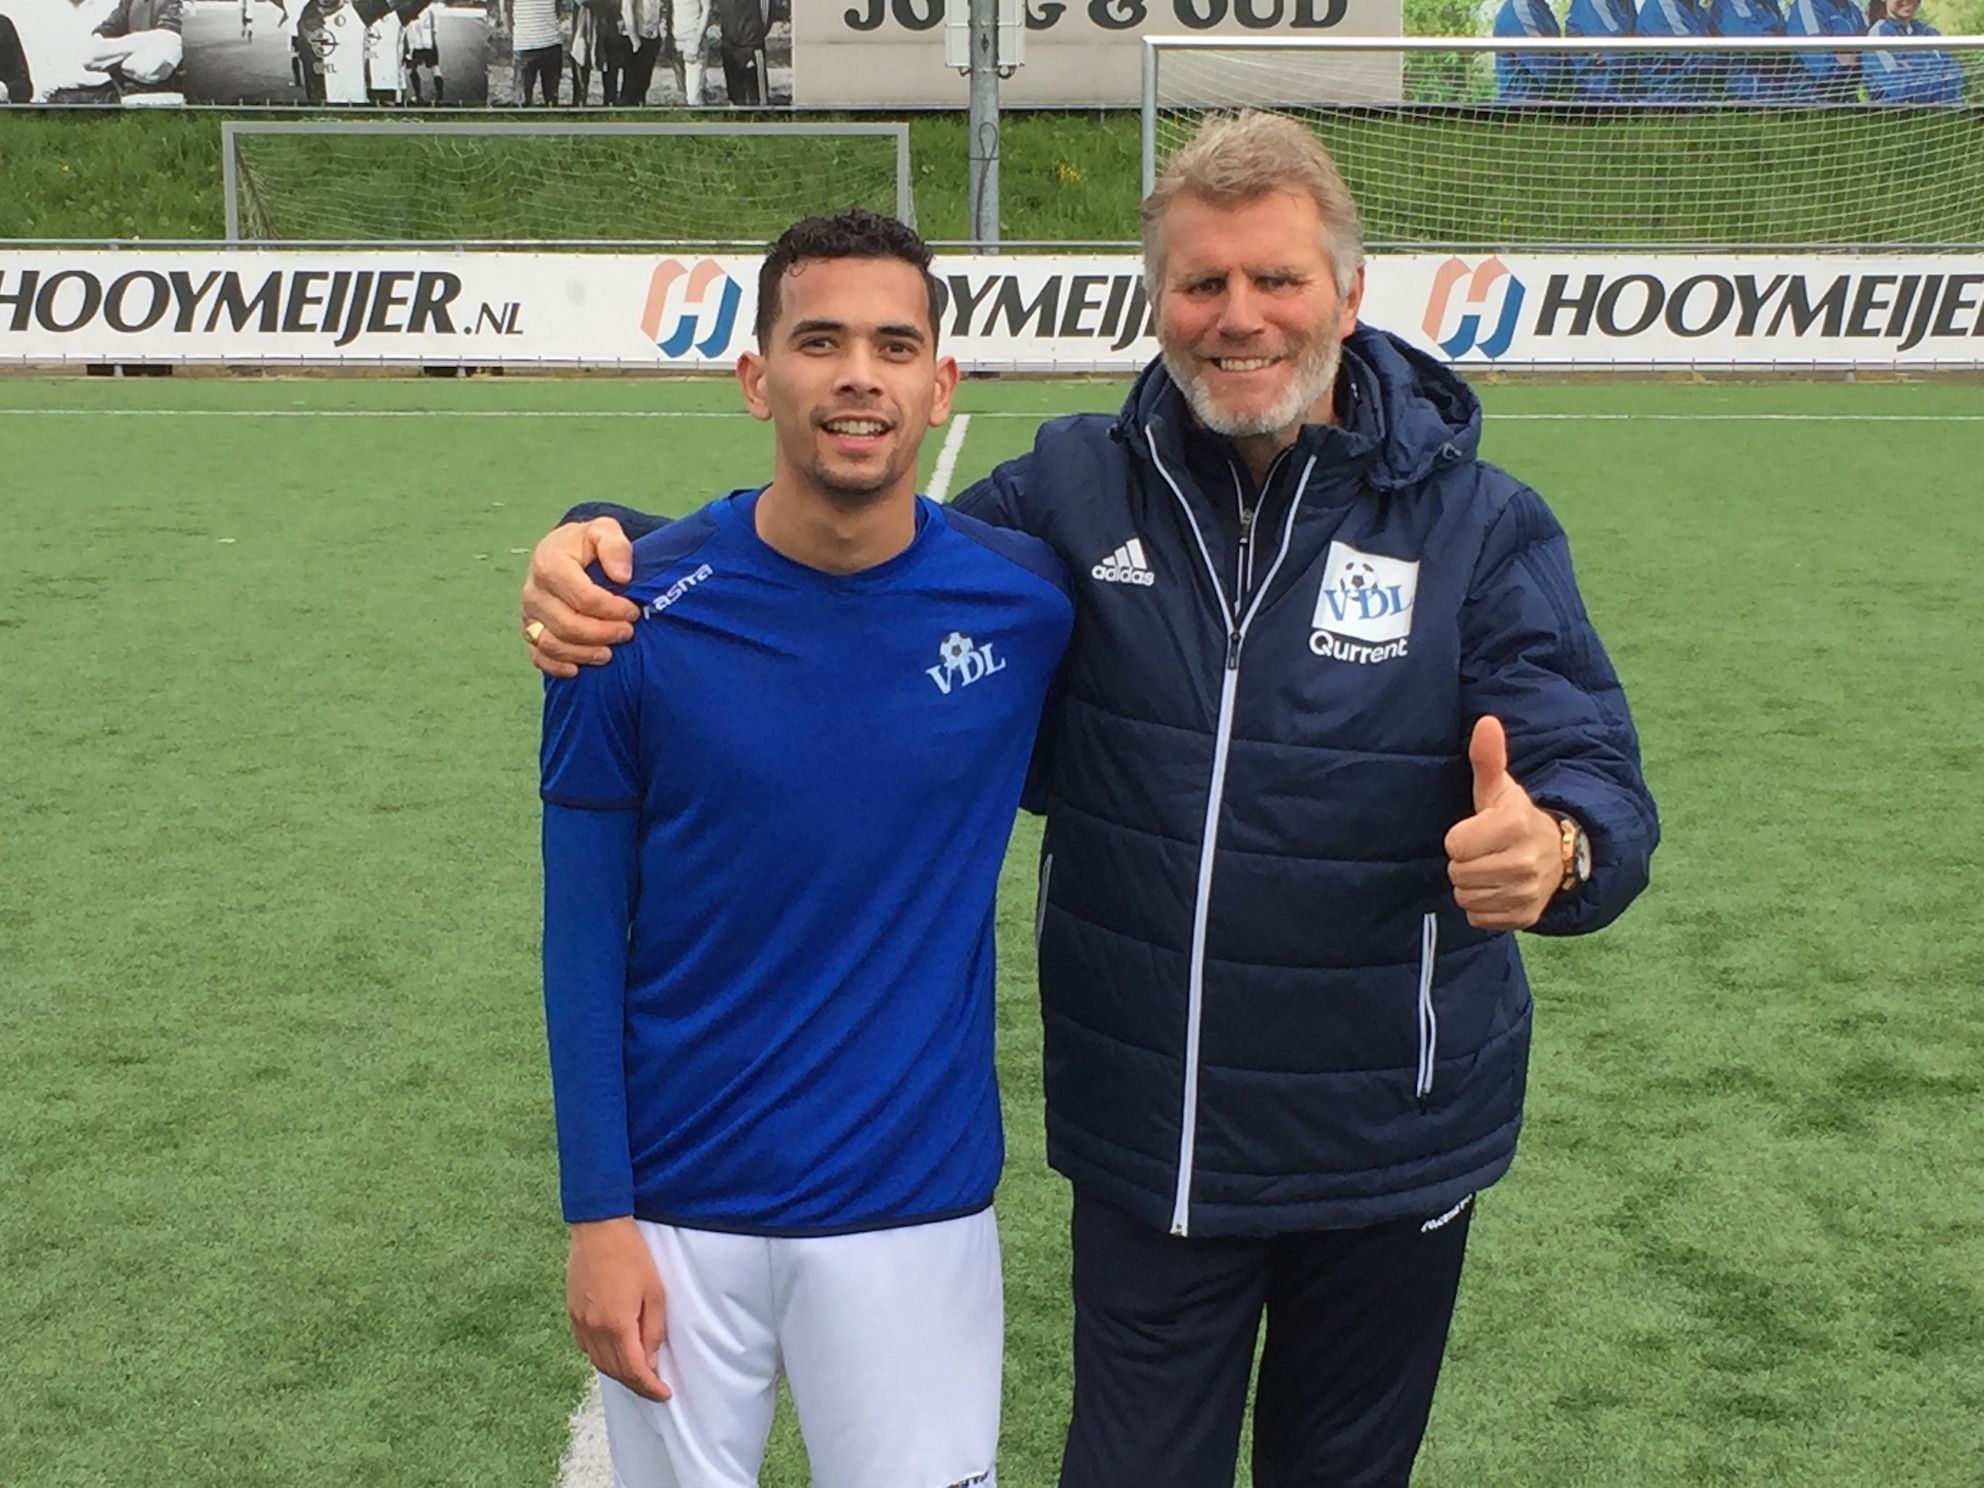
[{"x": 1333, "y": 722}]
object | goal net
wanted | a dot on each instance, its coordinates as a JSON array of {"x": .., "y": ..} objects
[
  {"x": 1513, "y": 143},
  {"x": 332, "y": 181}
]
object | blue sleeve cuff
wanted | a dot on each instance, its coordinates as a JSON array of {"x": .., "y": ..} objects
[{"x": 589, "y": 876}]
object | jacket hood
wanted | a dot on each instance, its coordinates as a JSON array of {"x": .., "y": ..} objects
[{"x": 1409, "y": 410}]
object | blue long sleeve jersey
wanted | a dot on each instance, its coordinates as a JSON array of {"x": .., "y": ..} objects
[{"x": 773, "y": 826}]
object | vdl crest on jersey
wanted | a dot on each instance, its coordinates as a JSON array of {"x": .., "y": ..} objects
[{"x": 961, "y": 663}]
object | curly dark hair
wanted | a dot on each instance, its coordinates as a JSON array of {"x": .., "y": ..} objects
[{"x": 854, "y": 233}]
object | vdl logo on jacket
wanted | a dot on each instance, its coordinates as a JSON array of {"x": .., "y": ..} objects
[{"x": 1364, "y": 608}]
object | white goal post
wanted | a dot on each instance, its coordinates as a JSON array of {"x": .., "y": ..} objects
[
  {"x": 1514, "y": 143},
  {"x": 491, "y": 183}
]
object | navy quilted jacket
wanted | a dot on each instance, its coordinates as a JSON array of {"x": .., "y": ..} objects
[{"x": 1263, "y": 1010}]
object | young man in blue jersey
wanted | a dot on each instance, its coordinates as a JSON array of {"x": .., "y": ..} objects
[
  {"x": 773, "y": 826},
  {"x": 1331, "y": 727}
]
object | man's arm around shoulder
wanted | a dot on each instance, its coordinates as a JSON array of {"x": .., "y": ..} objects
[{"x": 570, "y": 620}]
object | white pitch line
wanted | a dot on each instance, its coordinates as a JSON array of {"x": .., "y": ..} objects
[
  {"x": 1744, "y": 418},
  {"x": 1038, "y": 416},
  {"x": 377, "y": 413},
  {"x": 408, "y": 413},
  {"x": 586, "y": 1463},
  {"x": 947, "y": 457},
  {"x": 1042, "y": 414}
]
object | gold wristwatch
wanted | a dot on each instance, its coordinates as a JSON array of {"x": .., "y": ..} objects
[{"x": 1575, "y": 844}]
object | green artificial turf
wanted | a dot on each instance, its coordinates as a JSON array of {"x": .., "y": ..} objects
[
  {"x": 275, "y": 1133},
  {"x": 1742, "y": 1243}
]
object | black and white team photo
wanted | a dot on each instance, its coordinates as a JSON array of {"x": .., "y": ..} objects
[
  {"x": 535, "y": 53},
  {"x": 326, "y": 52}
]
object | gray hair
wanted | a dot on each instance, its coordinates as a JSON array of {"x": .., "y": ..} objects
[{"x": 1237, "y": 158}]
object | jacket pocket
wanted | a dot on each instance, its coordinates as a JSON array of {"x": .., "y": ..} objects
[{"x": 1429, "y": 1016}]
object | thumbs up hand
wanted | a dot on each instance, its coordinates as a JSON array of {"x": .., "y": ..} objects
[{"x": 1506, "y": 860}]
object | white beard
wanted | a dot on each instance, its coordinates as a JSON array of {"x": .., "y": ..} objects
[{"x": 1314, "y": 376}]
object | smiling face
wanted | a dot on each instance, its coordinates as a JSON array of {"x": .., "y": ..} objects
[
  {"x": 1904, "y": 10},
  {"x": 850, "y": 378},
  {"x": 1248, "y": 313}
]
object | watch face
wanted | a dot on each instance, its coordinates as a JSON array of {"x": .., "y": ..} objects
[{"x": 1581, "y": 861}]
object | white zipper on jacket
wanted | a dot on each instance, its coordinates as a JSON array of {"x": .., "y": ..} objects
[
  {"x": 1243, "y": 563},
  {"x": 1243, "y": 558},
  {"x": 1429, "y": 1020},
  {"x": 1229, "y": 686}
]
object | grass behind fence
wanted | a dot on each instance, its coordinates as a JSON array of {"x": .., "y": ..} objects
[
  {"x": 1743, "y": 176},
  {"x": 95, "y": 175},
  {"x": 1423, "y": 175}
]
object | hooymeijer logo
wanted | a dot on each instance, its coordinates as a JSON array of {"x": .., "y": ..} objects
[
  {"x": 703, "y": 299},
  {"x": 1477, "y": 305},
  {"x": 961, "y": 663}
]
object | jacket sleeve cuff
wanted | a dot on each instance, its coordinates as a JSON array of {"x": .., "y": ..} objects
[{"x": 1622, "y": 837}]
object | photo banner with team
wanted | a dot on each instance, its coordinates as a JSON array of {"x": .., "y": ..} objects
[
  {"x": 409, "y": 54},
  {"x": 307, "y": 53},
  {"x": 1010, "y": 313}
]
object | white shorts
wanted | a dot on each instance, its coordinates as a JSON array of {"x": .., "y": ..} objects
[{"x": 891, "y": 1342}]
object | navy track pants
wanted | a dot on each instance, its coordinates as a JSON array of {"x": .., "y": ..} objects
[{"x": 1165, "y": 1330}]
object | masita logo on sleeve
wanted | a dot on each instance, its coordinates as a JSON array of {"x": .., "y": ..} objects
[{"x": 1364, "y": 608}]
